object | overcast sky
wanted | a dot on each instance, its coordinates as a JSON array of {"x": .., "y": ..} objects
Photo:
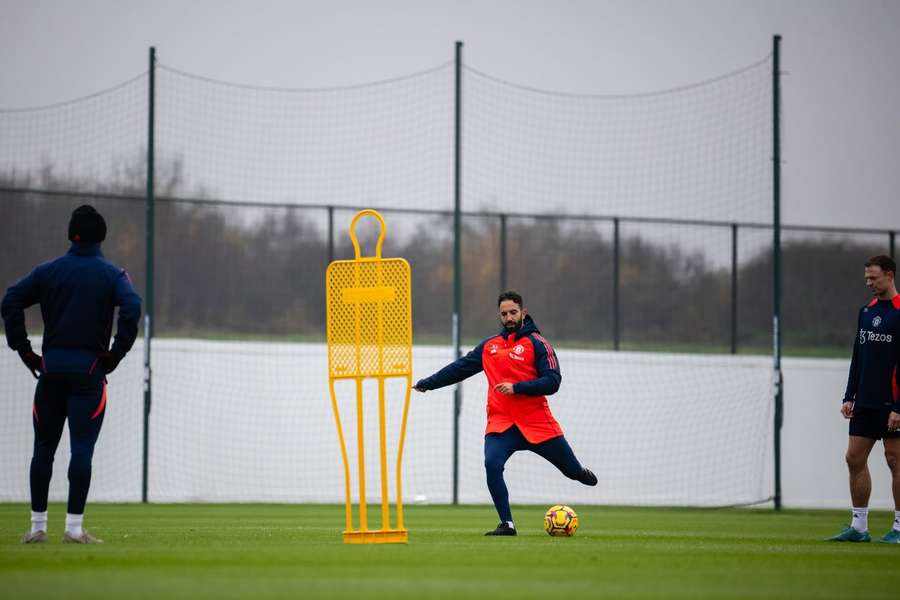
[{"x": 841, "y": 144}]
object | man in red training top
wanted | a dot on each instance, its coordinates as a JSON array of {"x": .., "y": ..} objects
[{"x": 521, "y": 369}]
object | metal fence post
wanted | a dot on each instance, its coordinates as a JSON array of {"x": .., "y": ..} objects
[
  {"x": 616, "y": 313},
  {"x": 503, "y": 263},
  {"x": 457, "y": 264},
  {"x": 734, "y": 287},
  {"x": 149, "y": 258},
  {"x": 330, "y": 234},
  {"x": 776, "y": 262}
]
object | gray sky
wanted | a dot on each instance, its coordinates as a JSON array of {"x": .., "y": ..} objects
[{"x": 841, "y": 145}]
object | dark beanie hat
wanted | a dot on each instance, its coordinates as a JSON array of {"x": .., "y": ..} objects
[{"x": 87, "y": 225}]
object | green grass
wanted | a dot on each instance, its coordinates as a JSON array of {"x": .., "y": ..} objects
[{"x": 295, "y": 551}]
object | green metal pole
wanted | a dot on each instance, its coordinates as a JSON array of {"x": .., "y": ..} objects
[
  {"x": 457, "y": 265},
  {"x": 616, "y": 309},
  {"x": 503, "y": 259},
  {"x": 148, "y": 288},
  {"x": 776, "y": 261},
  {"x": 330, "y": 234},
  {"x": 734, "y": 287}
]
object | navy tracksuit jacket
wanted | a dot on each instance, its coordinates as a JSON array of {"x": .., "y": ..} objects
[
  {"x": 78, "y": 294},
  {"x": 874, "y": 379}
]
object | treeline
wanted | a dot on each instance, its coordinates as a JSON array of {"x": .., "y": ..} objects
[{"x": 227, "y": 270}]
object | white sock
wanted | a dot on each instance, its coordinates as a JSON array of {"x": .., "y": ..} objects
[
  {"x": 897, "y": 520},
  {"x": 73, "y": 524},
  {"x": 510, "y": 523},
  {"x": 38, "y": 521},
  {"x": 860, "y": 519}
]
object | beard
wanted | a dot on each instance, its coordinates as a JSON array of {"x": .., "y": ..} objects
[{"x": 513, "y": 326}]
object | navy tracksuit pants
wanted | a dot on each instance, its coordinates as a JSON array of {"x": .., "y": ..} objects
[
  {"x": 498, "y": 447},
  {"x": 79, "y": 398}
]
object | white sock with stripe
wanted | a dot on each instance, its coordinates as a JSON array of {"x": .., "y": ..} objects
[{"x": 897, "y": 520}]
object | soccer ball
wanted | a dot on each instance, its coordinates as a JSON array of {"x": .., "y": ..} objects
[{"x": 560, "y": 521}]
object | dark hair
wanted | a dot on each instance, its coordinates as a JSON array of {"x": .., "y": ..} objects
[
  {"x": 884, "y": 261},
  {"x": 87, "y": 225},
  {"x": 510, "y": 295}
]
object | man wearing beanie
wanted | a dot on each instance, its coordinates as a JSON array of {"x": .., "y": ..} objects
[{"x": 78, "y": 293}]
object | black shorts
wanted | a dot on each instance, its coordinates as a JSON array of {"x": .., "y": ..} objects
[{"x": 871, "y": 423}]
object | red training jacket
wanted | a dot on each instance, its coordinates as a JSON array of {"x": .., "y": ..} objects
[{"x": 524, "y": 359}]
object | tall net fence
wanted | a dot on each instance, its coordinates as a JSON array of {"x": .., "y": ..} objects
[
  {"x": 699, "y": 152},
  {"x": 664, "y": 169},
  {"x": 636, "y": 227},
  {"x": 53, "y": 159},
  {"x": 386, "y": 144}
]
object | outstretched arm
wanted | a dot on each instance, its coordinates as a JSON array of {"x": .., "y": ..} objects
[{"x": 460, "y": 369}]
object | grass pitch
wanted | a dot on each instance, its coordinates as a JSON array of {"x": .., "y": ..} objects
[{"x": 295, "y": 551}]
